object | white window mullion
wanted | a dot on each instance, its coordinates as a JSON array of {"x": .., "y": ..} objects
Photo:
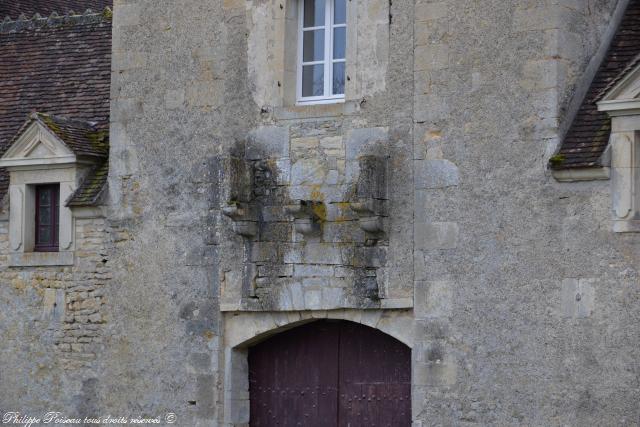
[
  {"x": 327, "y": 61},
  {"x": 328, "y": 48},
  {"x": 300, "y": 43}
]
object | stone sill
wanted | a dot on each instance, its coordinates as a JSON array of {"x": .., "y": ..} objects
[
  {"x": 587, "y": 174},
  {"x": 40, "y": 259},
  {"x": 315, "y": 111},
  {"x": 632, "y": 226}
]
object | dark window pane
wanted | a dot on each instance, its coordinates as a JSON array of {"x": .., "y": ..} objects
[
  {"x": 313, "y": 80},
  {"x": 339, "y": 42},
  {"x": 44, "y": 234},
  {"x": 340, "y": 12},
  {"x": 313, "y": 13},
  {"x": 313, "y": 46},
  {"x": 45, "y": 215},
  {"x": 338, "y": 78},
  {"x": 45, "y": 197},
  {"x": 47, "y": 227}
]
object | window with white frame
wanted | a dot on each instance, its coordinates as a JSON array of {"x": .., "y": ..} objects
[{"x": 322, "y": 40}]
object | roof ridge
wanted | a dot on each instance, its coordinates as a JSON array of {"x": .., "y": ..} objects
[
  {"x": 9, "y": 25},
  {"x": 63, "y": 120}
]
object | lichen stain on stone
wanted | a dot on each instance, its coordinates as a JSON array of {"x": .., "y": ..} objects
[{"x": 208, "y": 335}]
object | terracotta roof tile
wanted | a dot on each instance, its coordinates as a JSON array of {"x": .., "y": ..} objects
[
  {"x": 60, "y": 66},
  {"x": 588, "y": 135},
  {"x": 15, "y": 8}
]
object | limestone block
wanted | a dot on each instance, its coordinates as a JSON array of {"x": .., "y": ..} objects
[
  {"x": 561, "y": 43},
  {"x": 366, "y": 141},
  {"x": 578, "y": 297},
  {"x": 433, "y": 299},
  {"x": 323, "y": 253},
  {"x": 541, "y": 17},
  {"x": 308, "y": 172},
  {"x": 126, "y": 14},
  {"x": 333, "y": 297},
  {"x": 427, "y": 11},
  {"x": 174, "y": 99},
  {"x": 297, "y": 296},
  {"x": 205, "y": 94},
  {"x": 430, "y": 108},
  {"x": 206, "y": 396},
  {"x": 128, "y": 60},
  {"x": 332, "y": 143},
  {"x": 53, "y": 304},
  {"x": 398, "y": 324},
  {"x": 439, "y": 373},
  {"x": 268, "y": 142},
  {"x": 543, "y": 74},
  {"x": 436, "y": 235},
  {"x": 371, "y": 318},
  {"x": 125, "y": 109},
  {"x": 313, "y": 299},
  {"x": 308, "y": 270},
  {"x": 303, "y": 145},
  {"x": 431, "y": 57},
  {"x": 430, "y": 174}
]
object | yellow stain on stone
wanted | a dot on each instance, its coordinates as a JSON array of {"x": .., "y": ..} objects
[
  {"x": 209, "y": 334},
  {"x": 320, "y": 209},
  {"x": 430, "y": 135},
  {"x": 19, "y": 284}
]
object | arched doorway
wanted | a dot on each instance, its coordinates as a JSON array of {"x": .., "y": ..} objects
[{"x": 328, "y": 374}]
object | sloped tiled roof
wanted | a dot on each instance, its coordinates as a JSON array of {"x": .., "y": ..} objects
[
  {"x": 589, "y": 133},
  {"x": 15, "y": 8},
  {"x": 59, "y": 65},
  {"x": 90, "y": 190},
  {"x": 83, "y": 138}
]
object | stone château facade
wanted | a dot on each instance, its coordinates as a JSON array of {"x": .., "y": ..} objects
[{"x": 468, "y": 184}]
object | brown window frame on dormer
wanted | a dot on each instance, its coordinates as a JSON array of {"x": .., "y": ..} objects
[{"x": 49, "y": 220}]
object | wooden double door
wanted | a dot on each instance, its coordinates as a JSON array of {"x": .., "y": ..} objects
[{"x": 330, "y": 373}]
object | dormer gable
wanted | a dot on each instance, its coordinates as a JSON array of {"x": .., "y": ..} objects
[
  {"x": 36, "y": 144},
  {"x": 622, "y": 97}
]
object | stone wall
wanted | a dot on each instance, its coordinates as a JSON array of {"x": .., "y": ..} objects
[
  {"x": 519, "y": 302},
  {"x": 524, "y": 298},
  {"x": 53, "y": 326},
  {"x": 515, "y": 278}
]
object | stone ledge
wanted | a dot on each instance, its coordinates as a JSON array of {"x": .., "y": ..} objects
[
  {"x": 396, "y": 303},
  {"x": 40, "y": 259},
  {"x": 314, "y": 111},
  {"x": 630, "y": 226},
  {"x": 590, "y": 174}
]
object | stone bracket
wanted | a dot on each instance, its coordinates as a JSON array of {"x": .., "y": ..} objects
[
  {"x": 305, "y": 216},
  {"x": 245, "y": 220},
  {"x": 239, "y": 177},
  {"x": 370, "y": 204}
]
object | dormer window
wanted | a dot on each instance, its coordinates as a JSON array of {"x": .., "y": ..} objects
[
  {"x": 56, "y": 167},
  {"x": 322, "y": 40},
  {"x": 47, "y": 226}
]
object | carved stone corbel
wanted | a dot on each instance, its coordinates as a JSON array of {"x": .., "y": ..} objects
[
  {"x": 305, "y": 216},
  {"x": 240, "y": 207},
  {"x": 370, "y": 201},
  {"x": 245, "y": 222}
]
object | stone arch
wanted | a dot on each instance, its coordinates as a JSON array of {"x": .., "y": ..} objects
[{"x": 243, "y": 330}]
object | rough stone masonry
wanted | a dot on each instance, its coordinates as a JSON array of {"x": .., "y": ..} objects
[{"x": 422, "y": 206}]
